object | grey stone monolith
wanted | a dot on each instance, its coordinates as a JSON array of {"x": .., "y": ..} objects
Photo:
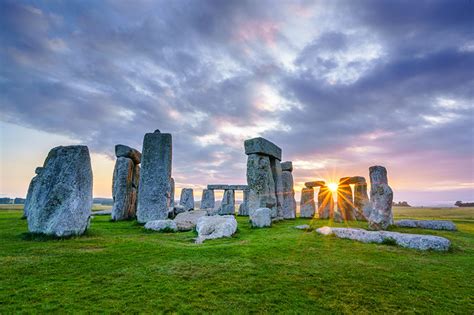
[
  {"x": 124, "y": 197},
  {"x": 361, "y": 201},
  {"x": 154, "y": 190},
  {"x": 61, "y": 200},
  {"x": 277, "y": 172},
  {"x": 172, "y": 192},
  {"x": 208, "y": 200},
  {"x": 289, "y": 202},
  {"x": 345, "y": 203},
  {"x": 307, "y": 206},
  {"x": 187, "y": 199},
  {"x": 325, "y": 203},
  {"x": 228, "y": 203},
  {"x": 381, "y": 198},
  {"x": 243, "y": 207},
  {"x": 261, "y": 184}
]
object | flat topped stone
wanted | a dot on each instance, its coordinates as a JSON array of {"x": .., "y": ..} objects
[
  {"x": 128, "y": 152},
  {"x": 287, "y": 166},
  {"x": 238, "y": 187},
  {"x": 415, "y": 241},
  {"x": 218, "y": 186},
  {"x": 428, "y": 224},
  {"x": 344, "y": 180},
  {"x": 262, "y": 146},
  {"x": 317, "y": 183},
  {"x": 356, "y": 180}
]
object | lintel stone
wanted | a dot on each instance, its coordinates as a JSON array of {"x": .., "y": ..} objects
[{"x": 262, "y": 146}]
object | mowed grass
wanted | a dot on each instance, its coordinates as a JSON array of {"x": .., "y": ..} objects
[{"x": 120, "y": 267}]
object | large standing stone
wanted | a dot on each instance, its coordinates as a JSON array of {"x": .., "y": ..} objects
[
  {"x": 61, "y": 200},
  {"x": 155, "y": 188},
  {"x": 325, "y": 203},
  {"x": 127, "y": 152},
  {"x": 124, "y": 206},
  {"x": 307, "y": 206},
  {"x": 276, "y": 172},
  {"x": 261, "y": 184},
  {"x": 261, "y": 218},
  {"x": 381, "y": 198},
  {"x": 244, "y": 206},
  {"x": 228, "y": 203},
  {"x": 187, "y": 199},
  {"x": 208, "y": 201},
  {"x": 361, "y": 201},
  {"x": 215, "y": 227},
  {"x": 34, "y": 180},
  {"x": 289, "y": 202},
  {"x": 345, "y": 203}
]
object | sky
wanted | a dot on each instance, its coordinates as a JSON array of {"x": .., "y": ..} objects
[{"x": 338, "y": 85}]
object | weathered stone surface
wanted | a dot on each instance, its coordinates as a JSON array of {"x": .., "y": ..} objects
[
  {"x": 154, "y": 191},
  {"x": 303, "y": 227},
  {"x": 415, "y": 241},
  {"x": 208, "y": 200},
  {"x": 261, "y": 217},
  {"x": 289, "y": 202},
  {"x": 361, "y": 201},
  {"x": 61, "y": 200},
  {"x": 187, "y": 199},
  {"x": 127, "y": 152},
  {"x": 237, "y": 187},
  {"x": 187, "y": 220},
  {"x": 345, "y": 203},
  {"x": 307, "y": 206},
  {"x": 33, "y": 182},
  {"x": 325, "y": 203},
  {"x": 428, "y": 224},
  {"x": 381, "y": 198},
  {"x": 228, "y": 203},
  {"x": 218, "y": 187},
  {"x": 356, "y": 180},
  {"x": 317, "y": 183},
  {"x": 215, "y": 227},
  {"x": 172, "y": 188},
  {"x": 276, "y": 172},
  {"x": 124, "y": 206},
  {"x": 177, "y": 209},
  {"x": 287, "y": 166},
  {"x": 243, "y": 207},
  {"x": 262, "y": 146},
  {"x": 161, "y": 225},
  {"x": 261, "y": 184},
  {"x": 38, "y": 170}
]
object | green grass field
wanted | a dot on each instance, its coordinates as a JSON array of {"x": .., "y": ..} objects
[{"x": 120, "y": 267}]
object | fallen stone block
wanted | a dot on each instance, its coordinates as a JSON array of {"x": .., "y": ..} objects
[
  {"x": 215, "y": 227},
  {"x": 161, "y": 225},
  {"x": 428, "y": 224}
]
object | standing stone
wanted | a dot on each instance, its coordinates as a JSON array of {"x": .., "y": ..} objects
[
  {"x": 244, "y": 206},
  {"x": 289, "y": 202},
  {"x": 61, "y": 200},
  {"x": 187, "y": 199},
  {"x": 307, "y": 206},
  {"x": 154, "y": 190},
  {"x": 124, "y": 206},
  {"x": 34, "y": 180},
  {"x": 208, "y": 201},
  {"x": 228, "y": 203},
  {"x": 361, "y": 201},
  {"x": 277, "y": 173},
  {"x": 172, "y": 192},
  {"x": 325, "y": 203},
  {"x": 344, "y": 199},
  {"x": 261, "y": 184},
  {"x": 381, "y": 198}
]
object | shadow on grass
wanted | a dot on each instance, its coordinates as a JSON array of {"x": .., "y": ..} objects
[{"x": 41, "y": 237}]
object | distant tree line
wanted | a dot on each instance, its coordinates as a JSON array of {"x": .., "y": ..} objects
[
  {"x": 400, "y": 204},
  {"x": 464, "y": 204}
]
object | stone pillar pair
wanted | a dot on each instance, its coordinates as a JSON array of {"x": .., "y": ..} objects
[
  {"x": 155, "y": 187},
  {"x": 325, "y": 201},
  {"x": 125, "y": 182},
  {"x": 351, "y": 206},
  {"x": 264, "y": 176},
  {"x": 228, "y": 199}
]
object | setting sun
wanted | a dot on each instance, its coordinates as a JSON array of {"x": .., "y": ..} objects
[{"x": 332, "y": 187}]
